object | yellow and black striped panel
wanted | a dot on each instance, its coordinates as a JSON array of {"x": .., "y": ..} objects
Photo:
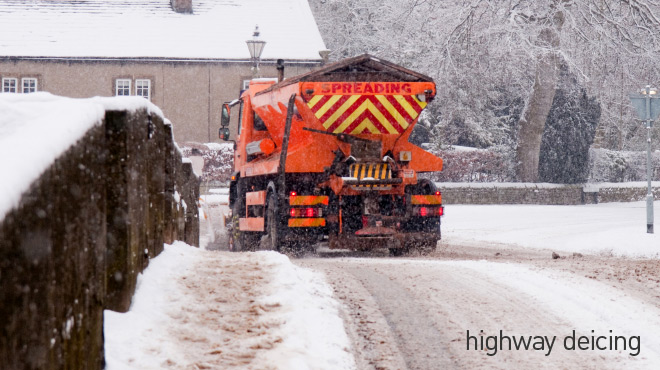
[
  {"x": 308, "y": 200},
  {"x": 426, "y": 199},
  {"x": 306, "y": 222},
  {"x": 378, "y": 171}
]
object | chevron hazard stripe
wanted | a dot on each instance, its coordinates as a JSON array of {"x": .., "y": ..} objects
[{"x": 362, "y": 114}]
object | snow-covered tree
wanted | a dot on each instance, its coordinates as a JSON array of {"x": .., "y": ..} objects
[
  {"x": 569, "y": 133},
  {"x": 485, "y": 53}
]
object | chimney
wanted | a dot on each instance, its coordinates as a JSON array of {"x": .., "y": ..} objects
[
  {"x": 280, "y": 70},
  {"x": 182, "y": 6},
  {"x": 325, "y": 56}
]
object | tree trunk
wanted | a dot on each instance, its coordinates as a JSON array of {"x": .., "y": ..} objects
[{"x": 532, "y": 122}]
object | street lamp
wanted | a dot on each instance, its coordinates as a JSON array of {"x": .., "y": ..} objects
[
  {"x": 256, "y": 47},
  {"x": 647, "y": 106}
]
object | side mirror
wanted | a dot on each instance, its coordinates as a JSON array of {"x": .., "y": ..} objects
[
  {"x": 224, "y": 119},
  {"x": 223, "y": 133}
]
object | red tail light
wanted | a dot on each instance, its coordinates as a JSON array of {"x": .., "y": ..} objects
[
  {"x": 428, "y": 211},
  {"x": 308, "y": 212},
  {"x": 365, "y": 221},
  {"x": 293, "y": 193}
]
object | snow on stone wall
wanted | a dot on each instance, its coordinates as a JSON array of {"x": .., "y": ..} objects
[
  {"x": 88, "y": 186},
  {"x": 543, "y": 193}
]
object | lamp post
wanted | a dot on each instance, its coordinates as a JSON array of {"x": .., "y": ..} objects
[
  {"x": 256, "y": 47},
  {"x": 647, "y": 106}
]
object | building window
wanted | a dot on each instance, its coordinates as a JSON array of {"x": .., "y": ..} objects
[
  {"x": 29, "y": 85},
  {"x": 122, "y": 87},
  {"x": 143, "y": 88},
  {"x": 9, "y": 85},
  {"x": 246, "y": 85}
]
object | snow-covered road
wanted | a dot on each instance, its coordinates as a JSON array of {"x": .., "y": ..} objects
[
  {"x": 490, "y": 282},
  {"x": 430, "y": 308}
]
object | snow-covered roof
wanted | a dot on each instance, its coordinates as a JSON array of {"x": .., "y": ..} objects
[{"x": 217, "y": 29}]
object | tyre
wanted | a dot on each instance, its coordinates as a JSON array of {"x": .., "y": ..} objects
[
  {"x": 236, "y": 237},
  {"x": 423, "y": 247},
  {"x": 395, "y": 252},
  {"x": 400, "y": 250},
  {"x": 272, "y": 220},
  {"x": 427, "y": 246},
  {"x": 276, "y": 230}
]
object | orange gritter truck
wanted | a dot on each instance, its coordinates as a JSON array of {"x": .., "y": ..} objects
[{"x": 325, "y": 155}]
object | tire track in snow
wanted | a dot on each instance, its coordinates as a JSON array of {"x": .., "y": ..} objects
[
  {"x": 546, "y": 302},
  {"x": 588, "y": 304},
  {"x": 453, "y": 296},
  {"x": 421, "y": 344}
]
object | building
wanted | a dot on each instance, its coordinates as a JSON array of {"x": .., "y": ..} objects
[{"x": 187, "y": 56}]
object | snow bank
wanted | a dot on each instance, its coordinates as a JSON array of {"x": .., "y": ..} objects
[
  {"x": 293, "y": 323},
  {"x": 127, "y": 334},
  {"x": 35, "y": 129},
  {"x": 607, "y": 228},
  {"x": 314, "y": 335}
]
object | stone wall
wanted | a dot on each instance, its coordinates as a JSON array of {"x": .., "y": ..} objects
[
  {"x": 80, "y": 235},
  {"x": 552, "y": 194},
  {"x": 609, "y": 193}
]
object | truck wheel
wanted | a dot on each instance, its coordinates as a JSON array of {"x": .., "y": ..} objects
[
  {"x": 236, "y": 237},
  {"x": 399, "y": 251},
  {"x": 272, "y": 218},
  {"x": 423, "y": 247}
]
